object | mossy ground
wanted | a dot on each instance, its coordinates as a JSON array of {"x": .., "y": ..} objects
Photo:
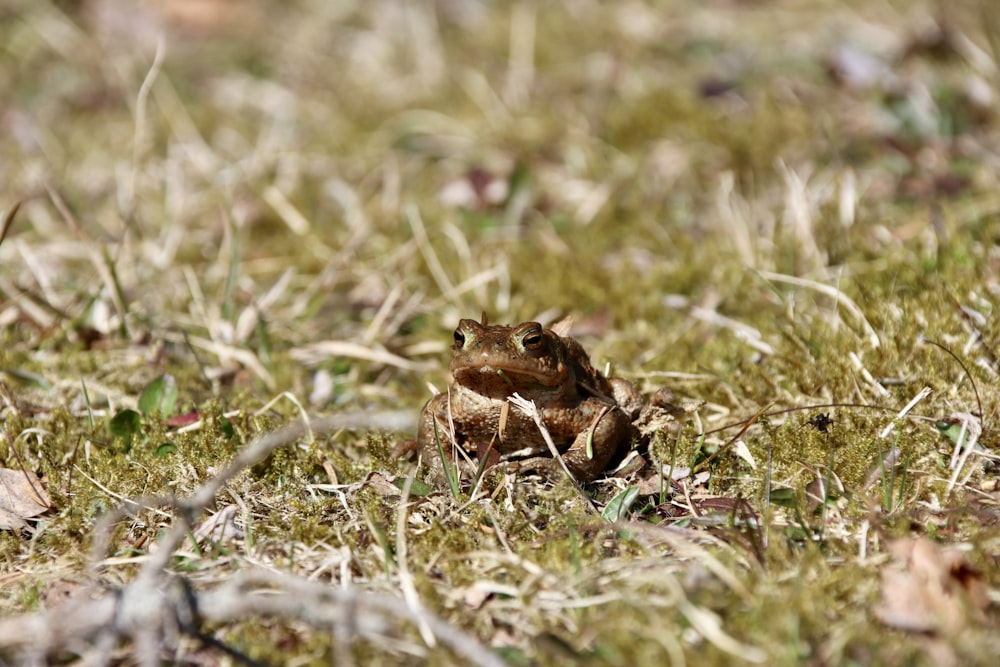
[{"x": 764, "y": 206}]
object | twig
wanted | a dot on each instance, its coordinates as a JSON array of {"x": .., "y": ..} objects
[
  {"x": 157, "y": 605},
  {"x": 8, "y": 220},
  {"x": 151, "y": 605}
]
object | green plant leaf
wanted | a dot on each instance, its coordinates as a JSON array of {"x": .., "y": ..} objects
[
  {"x": 226, "y": 427},
  {"x": 264, "y": 348},
  {"x": 124, "y": 426},
  {"x": 784, "y": 497},
  {"x": 417, "y": 488},
  {"x": 159, "y": 395},
  {"x": 166, "y": 449},
  {"x": 450, "y": 470},
  {"x": 29, "y": 378},
  {"x": 620, "y": 504},
  {"x": 950, "y": 430}
]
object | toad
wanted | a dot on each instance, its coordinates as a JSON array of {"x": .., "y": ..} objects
[{"x": 588, "y": 415}]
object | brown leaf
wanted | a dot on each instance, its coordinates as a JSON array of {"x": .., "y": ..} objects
[
  {"x": 563, "y": 326},
  {"x": 220, "y": 527},
  {"x": 476, "y": 595},
  {"x": 652, "y": 481},
  {"x": 61, "y": 591},
  {"x": 382, "y": 484},
  {"x": 183, "y": 420},
  {"x": 929, "y": 589},
  {"x": 22, "y": 496}
]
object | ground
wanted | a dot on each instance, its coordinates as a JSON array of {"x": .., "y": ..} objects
[{"x": 237, "y": 236}]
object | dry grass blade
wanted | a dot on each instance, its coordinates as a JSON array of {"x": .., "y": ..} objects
[
  {"x": 405, "y": 578},
  {"x": 140, "y": 139},
  {"x": 709, "y": 626},
  {"x": 314, "y": 352},
  {"x": 8, "y": 220},
  {"x": 428, "y": 253},
  {"x": 972, "y": 382},
  {"x": 832, "y": 292},
  {"x": 272, "y": 203},
  {"x": 921, "y": 395},
  {"x": 528, "y": 407}
]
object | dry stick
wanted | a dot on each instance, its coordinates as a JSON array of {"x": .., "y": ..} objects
[
  {"x": 8, "y": 220},
  {"x": 239, "y": 597},
  {"x": 975, "y": 389},
  {"x": 313, "y": 597},
  {"x": 143, "y": 606},
  {"x": 746, "y": 427},
  {"x": 921, "y": 395},
  {"x": 204, "y": 495}
]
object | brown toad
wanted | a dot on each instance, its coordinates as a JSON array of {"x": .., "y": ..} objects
[{"x": 578, "y": 404}]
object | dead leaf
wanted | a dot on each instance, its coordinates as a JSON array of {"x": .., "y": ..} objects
[
  {"x": 22, "y": 496},
  {"x": 479, "y": 189},
  {"x": 563, "y": 326},
  {"x": 476, "y": 595},
  {"x": 60, "y": 592},
  {"x": 652, "y": 481},
  {"x": 929, "y": 589},
  {"x": 183, "y": 420},
  {"x": 220, "y": 527},
  {"x": 662, "y": 412},
  {"x": 383, "y": 484},
  {"x": 199, "y": 15}
]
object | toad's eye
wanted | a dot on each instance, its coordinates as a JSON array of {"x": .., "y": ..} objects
[
  {"x": 532, "y": 339},
  {"x": 459, "y": 339}
]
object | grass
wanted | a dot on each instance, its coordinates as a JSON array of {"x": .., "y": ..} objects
[{"x": 778, "y": 210}]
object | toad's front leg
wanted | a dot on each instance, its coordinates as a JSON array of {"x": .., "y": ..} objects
[
  {"x": 607, "y": 437},
  {"x": 434, "y": 437}
]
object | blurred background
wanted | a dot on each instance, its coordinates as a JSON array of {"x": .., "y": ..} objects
[{"x": 261, "y": 177}]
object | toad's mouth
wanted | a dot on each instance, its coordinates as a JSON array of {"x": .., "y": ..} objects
[{"x": 514, "y": 376}]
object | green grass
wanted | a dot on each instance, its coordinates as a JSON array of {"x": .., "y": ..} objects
[{"x": 767, "y": 207}]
